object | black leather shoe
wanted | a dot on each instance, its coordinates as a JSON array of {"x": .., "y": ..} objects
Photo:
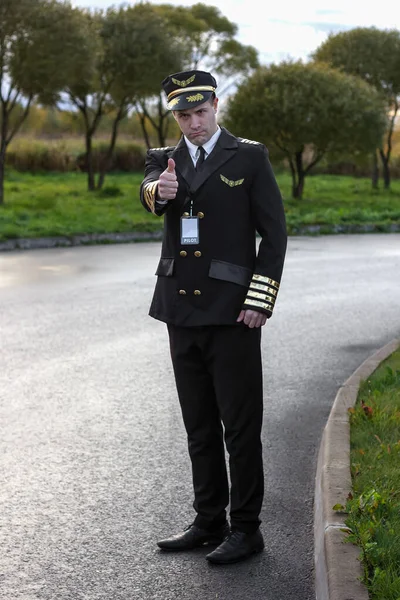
[
  {"x": 237, "y": 546},
  {"x": 193, "y": 537}
]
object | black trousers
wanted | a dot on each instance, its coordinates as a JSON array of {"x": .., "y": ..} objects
[{"x": 218, "y": 376}]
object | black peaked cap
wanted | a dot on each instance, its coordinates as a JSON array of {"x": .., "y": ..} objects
[{"x": 187, "y": 89}]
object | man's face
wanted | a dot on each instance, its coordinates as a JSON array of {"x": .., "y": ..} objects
[{"x": 200, "y": 123}]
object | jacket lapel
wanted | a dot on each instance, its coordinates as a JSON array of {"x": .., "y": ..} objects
[
  {"x": 224, "y": 150},
  {"x": 183, "y": 161}
]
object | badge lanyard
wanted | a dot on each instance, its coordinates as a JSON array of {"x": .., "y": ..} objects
[{"x": 190, "y": 228}]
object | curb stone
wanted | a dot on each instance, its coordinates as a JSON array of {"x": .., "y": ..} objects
[
  {"x": 337, "y": 566},
  {"x": 79, "y": 240}
]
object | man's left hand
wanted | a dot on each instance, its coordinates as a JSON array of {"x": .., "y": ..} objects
[{"x": 252, "y": 318}]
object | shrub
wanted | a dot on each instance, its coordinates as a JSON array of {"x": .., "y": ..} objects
[
  {"x": 38, "y": 156},
  {"x": 353, "y": 166},
  {"x": 26, "y": 154},
  {"x": 127, "y": 158}
]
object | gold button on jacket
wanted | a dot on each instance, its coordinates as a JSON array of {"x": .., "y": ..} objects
[
  {"x": 182, "y": 292},
  {"x": 200, "y": 215},
  {"x": 183, "y": 253},
  {"x": 197, "y": 253},
  {"x": 197, "y": 292}
]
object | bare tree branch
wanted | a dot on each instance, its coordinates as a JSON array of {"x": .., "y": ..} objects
[
  {"x": 75, "y": 100},
  {"x": 10, "y": 93},
  {"x": 390, "y": 133},
  {"x": 110, "y": 151},
  {"x": 319, "y": 154},
  {"x": 14, "y": 100},
  {"x": 147, "y": 114},
  {"x": 20, "y": 121},
  {"x": 2, "y": 56}
]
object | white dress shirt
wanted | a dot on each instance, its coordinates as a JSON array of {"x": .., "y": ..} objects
[{"x": 194, "y": 151}]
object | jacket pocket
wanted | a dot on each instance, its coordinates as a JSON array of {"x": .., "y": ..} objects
[
  {"x": 226, "y": 271},
  {"x": 166, "y": 267}
]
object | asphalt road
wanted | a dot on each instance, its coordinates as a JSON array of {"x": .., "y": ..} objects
[{"x": 94, "y": 466}]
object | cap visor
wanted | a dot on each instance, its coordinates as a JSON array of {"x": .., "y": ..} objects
[{"x": 188, "y": 100}]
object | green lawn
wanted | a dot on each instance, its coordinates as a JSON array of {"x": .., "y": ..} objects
[
  {"x": 374, "y": 511},
  {"x": 58, "y": 204},
  {"x": 341, "y": 200}
]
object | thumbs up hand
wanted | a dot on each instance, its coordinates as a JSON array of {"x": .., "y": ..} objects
[
  {"x": 168, "y": 182},
  {"x": 171, "y": 166}
]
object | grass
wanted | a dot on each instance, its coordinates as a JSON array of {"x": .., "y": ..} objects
[
  {"x": 341, "y": 201},
  {"x": 59, "y": 204},
  {"x": 52, "y": 204},
  {"x": 374, "y": 506}
]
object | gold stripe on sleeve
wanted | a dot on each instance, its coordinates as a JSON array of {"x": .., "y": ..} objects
[
  {"x": 267, "y": 280},
  {"x": 149, "y": 191},
  {"x": 264, "y": 288},
  {"x": 260, "y": 304},
  {"x": 264, "y": 297}
]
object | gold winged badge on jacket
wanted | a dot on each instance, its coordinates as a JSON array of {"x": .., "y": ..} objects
[{"x": 230, "y": 182}]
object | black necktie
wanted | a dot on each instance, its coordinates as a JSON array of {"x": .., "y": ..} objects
[{"x": 201, "y": 158}]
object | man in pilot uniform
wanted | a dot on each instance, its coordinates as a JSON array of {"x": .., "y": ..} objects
[{"x": 215, "y": 291}]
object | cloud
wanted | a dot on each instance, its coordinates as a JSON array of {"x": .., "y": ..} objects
[
  {"x": 278, "y": 40},
  {"x": 328, "y": 11},
  {"x": 291, "y": 28},
  {"x": 328, "y": 27}
]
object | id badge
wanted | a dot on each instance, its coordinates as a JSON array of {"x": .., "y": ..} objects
[{"x": 189, "y": 230}]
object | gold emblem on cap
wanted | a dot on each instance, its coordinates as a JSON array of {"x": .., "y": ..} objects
[
  {"x": 173, "y": 102},
  {"x": 185, "y": 82},
  {"x": 195, "y": 98}
]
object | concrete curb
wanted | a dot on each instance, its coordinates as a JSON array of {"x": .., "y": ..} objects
[
  {"x": 87, "y": 239},
  {"x": 337, "y": 566}
]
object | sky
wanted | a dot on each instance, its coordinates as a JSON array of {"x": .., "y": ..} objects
[{"x": 289, "y": 28}]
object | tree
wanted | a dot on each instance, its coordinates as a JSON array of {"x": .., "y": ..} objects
[
  {"x": 138, "y": 50},
  {"x": 89, "y": 83},
  {"x": 123, "y": 53},
  {"x": 373, "y": 55},
  {"x": 36, "y": 38},
  {"x": 307, "y": 107},
  {"x": 206, "y": 40}
]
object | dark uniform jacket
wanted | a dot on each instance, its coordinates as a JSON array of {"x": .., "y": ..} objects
[{"x": 235, "y": 195}]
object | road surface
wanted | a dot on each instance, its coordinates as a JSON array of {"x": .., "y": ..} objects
[{"x": 94, "y": 467}]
